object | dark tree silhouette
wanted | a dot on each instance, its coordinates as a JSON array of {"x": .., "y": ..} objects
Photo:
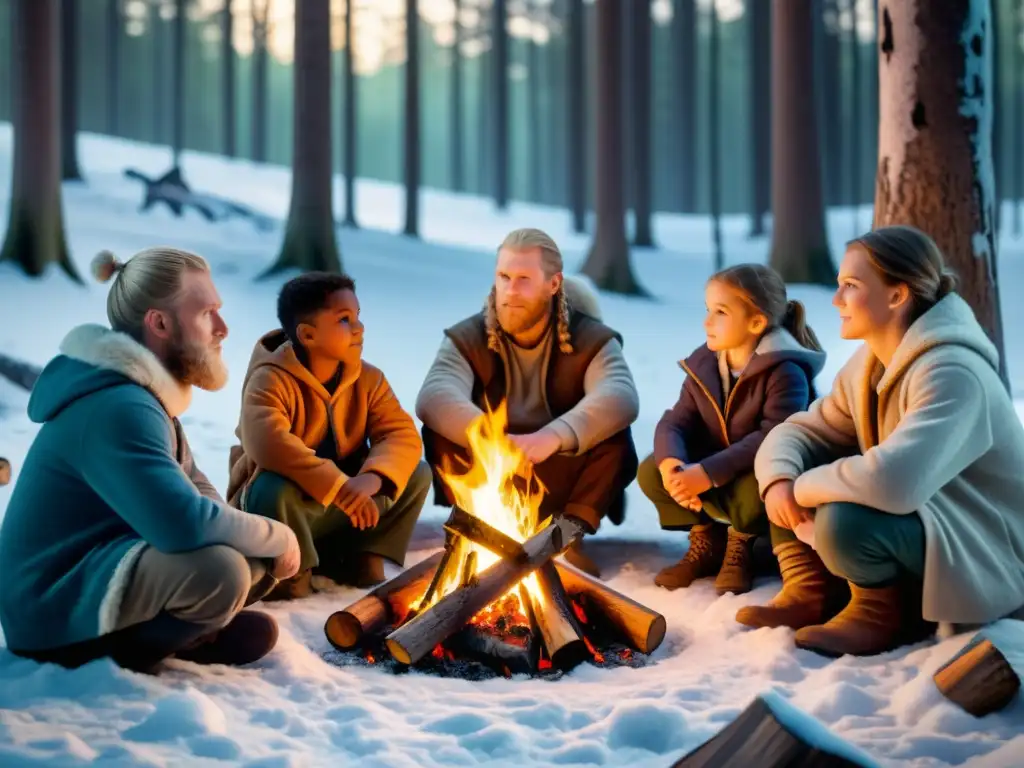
[
  {"x": 826, "y": 21},
  {"x": 178, "y": 65},
  {"x": 534, "y": 83},
  {"x": 608, "y": 263},
  {"x": 159, "y": 35},
  {"x": 935, "y": 170},
  {"x": 714, "y": 128},
  {"x": 1018, "y": 117},
  {"x": 577, "y": 122},
  {"x": 684, "y": 33},
  {"x": 309, "y": 238},
  {"x": 499, "y": 71},
  {"x": 227, "y": 61},
  {"x": 799, "y": 244},
  {"x": 260, "y": 12},
  {"x": 641, "y": 112},
  {"x": 412, "y": 118},
  {"x": 855, "y": 102},
  {"x": 113, "y": 66},
  {"x": 351, "y": 137},
  {"x": 458, "y": 179},
  {"x": 69, "y": 91},
  {"x": 760, "y": 86},
  {"x": 35, "y": 226}
]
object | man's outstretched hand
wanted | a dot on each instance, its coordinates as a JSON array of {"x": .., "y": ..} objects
[
  {"x": 538, "y": 446},
  {"x": 355, "y": 499}
]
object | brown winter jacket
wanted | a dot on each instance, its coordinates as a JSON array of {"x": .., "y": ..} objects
[{"x": 284, "y": 420}]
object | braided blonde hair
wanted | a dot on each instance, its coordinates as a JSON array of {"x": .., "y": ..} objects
[{"x": 551, "y": 262}]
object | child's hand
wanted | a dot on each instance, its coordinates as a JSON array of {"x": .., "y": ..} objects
[
  {"x": 355, "y": 499},
  {"x": 692, "y": 481},
  {"x": 669, "y": 469}
]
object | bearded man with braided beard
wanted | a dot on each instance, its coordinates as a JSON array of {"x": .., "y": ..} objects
[{"x": 540, "y": 347}]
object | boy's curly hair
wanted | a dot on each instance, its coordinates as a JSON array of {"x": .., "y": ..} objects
[{"x": 303, "y": 296}]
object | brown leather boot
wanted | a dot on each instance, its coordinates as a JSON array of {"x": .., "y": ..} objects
[
  {"x": 702, "y": 559},
  {"x": 871, "y": 623},
  {"x": 737, "y": 572},
  {"x": 810, "y": 594}
]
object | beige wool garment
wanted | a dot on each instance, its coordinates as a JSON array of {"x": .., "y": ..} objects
[{"x": 944, "y": 442}]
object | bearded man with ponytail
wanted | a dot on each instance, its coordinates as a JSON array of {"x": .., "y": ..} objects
[
  {"x": 114, "y": 543},
  {"x": 539, "y": 347}
]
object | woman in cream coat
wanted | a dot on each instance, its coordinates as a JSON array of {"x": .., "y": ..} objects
[{"x": 910, "y": 471}]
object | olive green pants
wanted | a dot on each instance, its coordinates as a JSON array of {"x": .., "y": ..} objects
[
  {"x": 737, "y": 503},
  {"x": 326, "y": 536}
]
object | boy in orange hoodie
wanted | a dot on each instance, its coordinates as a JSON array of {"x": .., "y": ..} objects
[{"x": 325, "y": 445}]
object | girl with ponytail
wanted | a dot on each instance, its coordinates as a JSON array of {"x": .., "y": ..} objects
[{"x": 756, "y": 369}]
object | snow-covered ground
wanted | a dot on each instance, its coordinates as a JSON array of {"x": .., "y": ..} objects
[{"x": 295, "y": 709}]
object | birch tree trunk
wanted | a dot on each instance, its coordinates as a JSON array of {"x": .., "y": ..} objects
[
  {"x": 799, "y": 244},
  {"x": 608, "y": 262},
  {"x": 935, "y": 169},
  {"x": 35, "y": 228},
  {"x": 309, "y": 239}
]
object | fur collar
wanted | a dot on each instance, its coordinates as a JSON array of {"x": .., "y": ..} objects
[{"x": 115, "y": 351}]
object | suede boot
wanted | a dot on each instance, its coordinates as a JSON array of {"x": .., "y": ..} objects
[
  {"x": 810, "y": 594},
  {"x": 248, "y": 637},
  {"x": 737, "y": 572},
  {"x": 364, "y": 570},
  {"x": 702, "y": 559},
  {"x": 575, "y": 556}
]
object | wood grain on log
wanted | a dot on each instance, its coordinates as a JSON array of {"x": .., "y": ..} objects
[
  {"x": 415, "y": 639},
  {"x": 642, "y": 627},
  {"x": 979, "y": 679},
  {"x": 375, "y": 610},
  {"x": 470, "y": 527},
  {"x": 556, "y": 623}
]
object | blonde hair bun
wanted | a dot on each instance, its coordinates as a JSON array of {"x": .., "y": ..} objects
[{"x": 105, "y": 265}]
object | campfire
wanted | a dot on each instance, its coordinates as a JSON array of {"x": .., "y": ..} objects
[{"x": 495, "y": 596}]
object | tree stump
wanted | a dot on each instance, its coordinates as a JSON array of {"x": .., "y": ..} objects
[
  {"x": 772, "y": 733},
  {"x": 985, "y": 676}
]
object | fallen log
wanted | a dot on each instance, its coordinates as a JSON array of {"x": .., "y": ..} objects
[
  {"x": 416, "y": 638},
  {"x": 376, "y": 609},
  {"x": 643, "y": 628},
  {"x": 461, "y": 523},
  {"x": 18, "y": 372},
  {"x": 985, "y": 676},
  {"x": 772, "y": 733},
  {"x": 555, "y": 620}
]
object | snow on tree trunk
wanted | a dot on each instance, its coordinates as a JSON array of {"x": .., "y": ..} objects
[
  {"x": 935, "y": 169},
  {"x": 309, "y": 239},
  {"x": 799, "y": 245},
  {"x": 35, "y": 229},
  {"x": 607, "y": 263}
]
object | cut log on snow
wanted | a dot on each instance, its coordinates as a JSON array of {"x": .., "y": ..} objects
[
  {"x": 461, "y": 523},
  {"x": 376, "y": 609},
  {"x": 985, "y": 676},
  {"x": 555, "y": 620},
  {"x": 415, "y": 639},
  {"x": 641, "y": 627},
  {"x": 5, "y": 472},
  {"x": 772, "y": 733},
  {"x": 22, "y": 374}
]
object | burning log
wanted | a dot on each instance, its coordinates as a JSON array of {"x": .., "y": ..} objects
[
  {"x": 376, "y": 609},
  {"x": 772, "y": 733},
  {"x": 461, "y": 523},
  {"x": 556, "y": 622},
  {"x": 985, "y": 676},
  {"x": 642, "y": 627},
  {"x": 415, "y": 639}
]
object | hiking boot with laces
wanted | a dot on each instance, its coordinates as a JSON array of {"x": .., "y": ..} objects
[
  {"x": 737, "y": 573},
  {"x": 702, "y": 559}
]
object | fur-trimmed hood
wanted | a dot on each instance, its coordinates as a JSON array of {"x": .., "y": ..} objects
[{"x": 93, "y": 358}]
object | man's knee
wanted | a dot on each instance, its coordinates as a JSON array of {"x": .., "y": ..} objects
[
  {"x": 618, "y": 456},
  {"x": 649, "y": 478},
  {"x": 269, "y": 493},
  {"x": 218, "y": 583},
  {"x": 420, "y": 481}
]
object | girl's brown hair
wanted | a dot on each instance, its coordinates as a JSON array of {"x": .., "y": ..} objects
[
  {"x": 903, "y": 254},
  {"x": 765, "y": 290}
]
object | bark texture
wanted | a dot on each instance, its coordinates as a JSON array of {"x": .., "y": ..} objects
[
  {"x": 935, "y": 169},
  {"x": 799, "y": 250},
  {"x": 608, "y": 263},
  {"x": 309, "y": 239},
  {"x": 35, "y": 228}
]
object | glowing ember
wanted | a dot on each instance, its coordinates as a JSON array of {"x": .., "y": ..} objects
[{"x": 488, "y": 491}]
